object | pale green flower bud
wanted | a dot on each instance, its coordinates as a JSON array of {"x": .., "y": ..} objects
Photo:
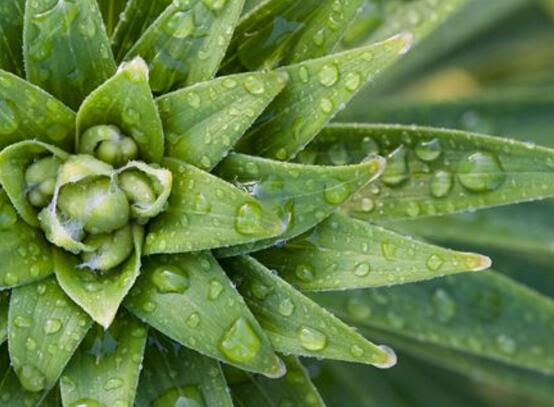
[
  {"x": 111, "y": 249},
  {"x": 40, "y": 178},
  {"x": 99, "y": 205},
  {"x": 138, "y": 188},
  {"x": 108, "y": 144}
]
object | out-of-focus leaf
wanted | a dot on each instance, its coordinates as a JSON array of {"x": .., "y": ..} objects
[
  {"x": 295, "y": 324},
  {"x": 483, "y": 314},
  {"x": 317, "y": 89},
  {"x": 4, "y": 305},
  {"x": 126, "y": 101},
  {"x": 26, "y": 255},
  {"x": 433, "y": 171},
  {"x": 342, "y": 253},
  {"x": 66, "y": 49},
  {"x": 189, "y": 298},
  {"x": 293, "y": 389},
  {"x": 523, "y": 114},
  {"x": 289, "y": 31},
  {"x": 202, "y": 123},
  {"x": 45, "y": 328},
  {"x": 205, "y": 212},
  {"x": 99, "y": 295},
  {"x": 187, "y": 42},
  {"x": 135, "y": 19},
  {"x": 173, "y": 374},
  {"x": 106, "y": 366},
  {"x": 11, "y": 36},
  {"x": 111, "y": 10},
  {"x": 27, "y": 112},
  {"x": 301, "y": 195}
]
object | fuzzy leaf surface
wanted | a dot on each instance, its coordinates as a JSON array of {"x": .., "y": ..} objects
[
  {"x": 295, "y": 388},
  {"x": 106, "y": 367},
  {"x": 27, "y": 112},
  {"x": 317, "y": 89},
  {"x": 343, "y": 253},
  {"x": 202, "y": 123},
  {"x": 301, "y": 195},
  {"x": 66, "y": 48},
  {"x": 484, "y": 314},
  {"x": 189, "y": 298},
  {"x": 187, "y": 42},
  {"x": 206, "y": 212},
  {"x": 294, "y": 323},
  {"x": 11, "y": 36},
  {"x": 173, "y": 373},
  {"x": 45, "y": 329},
  {"x": 99, "y": 295},
  {"x": 126, "y": 101}
]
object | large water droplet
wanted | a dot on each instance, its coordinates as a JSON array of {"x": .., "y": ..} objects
[
  {"x": 180, "y": 25},
  {"x": 441, "y": 183},
  {"x": 328, "y": 74},
  {"x": 397, "y": 170},
  {"x": 240, "y": 343},
  {"x": 254, "y": 85},
  {"x": 428, "y": 150},
  {"x": 362, "y": 269},
  {"x": 86, "y": 403},
  {"x": 311, "y": 339},
  {"x": 444, "y": 306},
  {"x": 352, "y": 82},
  {"x": 193, "y": 320},
  {"x": 185, "y": 396},
  {"x": 434, "y": 262},
  {"x": 170, "y": 279},
  {"x": 32, "y": 378},
  {"x": 216, "y": 288},
  {"x": 390, "y": 359},
  {"x": 304, "y": 272},
  {"x": 336, "y": 192},
  {"x": 286, "y": 307},
  {"x": 480, "y": 172},
  {"x": 51, "y": 326},
  {"x": 215, "y": 5},
  {"x": 202, "y": 204},
  {"x": 249, "y": 219}
]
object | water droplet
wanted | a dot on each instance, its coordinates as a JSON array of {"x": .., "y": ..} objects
[
  {"x": 352, "y": 82},
  {"x": 356, "y": 351},
  {"x": 506, "y": 344},
  {"x": 304, "y": 74},
  {"x": 390, "y": 359},
  {"x": 30, "y": 344},
  {"x": 202, "y": 204},
  {"x": 8, "y": 124},
  {"x": 286, "y": 307},
  {"x": 215, "y": 5},
  {"x": 444, "y": 306},
  {"x": 328, "y": 74},
  {"x": 254, "y": 85},
  {"x": 366, "y": 205},
  {"x": 32, "y": 378},
  {"x": 10, "y": 279},
  {"x": 86, "y": 403},
  {"x": 170, "y": 279},
  {"x": 22, "y": 322},
  {"x": 305, "y": 272},
  {"x": 388, "y": 249},
  {"x": 180, "y": 25},
  {"x": 336, "y": 192},
  {"x": 434, "y": 262},
  {"x": 480, "y": 172},
  {"x": 441, "y": 183},
  {"x": 216, "y": 289},
  {"x": 184, "y": 396},
  {"x": 113, "y": 384},
  {"x": 51, "y": 326},
  {"x": 149, "y": 306},
  {"x": 8, "y": 216},
  {"x": 326, "y": 105},
  {"x": 428, "y": 150},
  {"x": 396, "y": 170},
  {"x": 362, "y": 269},
  {"x": 311, "y": 339},
  {"x": 249, "y": 219},
  {"x": 240, "y": 343},
  {"x": 260, "y": 290},
  {"x": 193, "y": 320}
]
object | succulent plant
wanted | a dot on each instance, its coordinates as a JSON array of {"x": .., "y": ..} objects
[{"x": 180, "y": 222}]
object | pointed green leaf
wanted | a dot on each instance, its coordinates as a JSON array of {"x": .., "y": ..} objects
[
  {"x": 343, "y": 253},
  {"x": 45, "y": 328},
  {"x": 27, "y": 112},
  {"x": 26, "y": 255},
  {"x": 66, "y": 49},
  {"x": 98, "y": 294},
  {"x": 189, "y": 298},
  {"x": 295, "y": 324},
  {"x": 187, "y": 42},
  {"x": 205, "y": 212},
  {"x": 173, "y": 374},
  {"x": 293, "y": 389},
  {"x": 12, "y": 394},
  {"x": 11, "y": 36},
  {"x": 202, "y": 123},
  {"x": 106, "y": 366},
  {"x": 484, "y": 314},
  {"x": 126, "y": 101},
  {"x": 316, "y": 91},
  {"x": 135, "y": 19},
  {"x": 4, "y": 304},
  {"x": 302, "y": 195},
  {"x": 433, "y": 171},
  {"x": 14, "y": 161},
  {"x": 111, "y": 10},
  {"x": 289, "y": 31}
]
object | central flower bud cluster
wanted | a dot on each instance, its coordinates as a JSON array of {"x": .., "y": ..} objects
[{"x": 91, "y": 203}]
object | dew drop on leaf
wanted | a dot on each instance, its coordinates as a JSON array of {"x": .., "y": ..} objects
[
  {"x": 183, "y": 396},
  {"x": 240, "y": 343},
  {"x": 328, "y": 74},
  {"x": 52, "y": 325},
  {"x": 397, "y": 170},
  {"x": 259, "y": 290},
  {"x": 113, "y": 384},
  {"x": 353, "y": 81},
  {"x": 362, "y": 269},
  {"x": 216, "y": 288},
  {"x": 336, "y": 192},
  {"x": 286, "y": 307},
  {"x": 180, "y": 25},
  {"x": 356, "y": 351},
  {"x": 170, "y": 279},
  {"x": 311, "y": 339},
  {"x": 480, "y": 172},
  {"x": 254, "y": 85},
  {"x": 428, "y": 150},
  {"x": 441, "y": 183},
  {"x": 304, "y": 272},
  {"x": 249, "y": 218},
  {"x": 193, "y": 319},
  {"x": 8, "y": 124},
  {"x": 434, "y": 262},
  {"x": 86, "y": 403},
  {"x": 32, "y": 378}
]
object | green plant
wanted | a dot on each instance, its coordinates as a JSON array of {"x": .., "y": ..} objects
[{"x": 194, "y": 206}]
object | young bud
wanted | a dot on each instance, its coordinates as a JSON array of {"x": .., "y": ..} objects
[{"x": 110, "y": 249}]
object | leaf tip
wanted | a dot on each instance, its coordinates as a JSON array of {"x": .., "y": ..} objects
[
  {"x": 406, "y": 39},
  {"x": 137, "y": 69},
  {"x": 278, "y": 370},
  {"x": 480, "y": 262},
  {"x": 389, "y": 360}
]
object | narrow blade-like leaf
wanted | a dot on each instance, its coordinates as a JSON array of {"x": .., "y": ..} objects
[
  {"x": 66, "y": 49},
  {"x": 11, "y": 36},
  {"x": 206, "y": 212},
  {"x": 111, "y": 11},
  {"x": 342, "y": 253},
  {"x": 202, "y": 123},
  {"x": 126, "y": 101},
  {"x": 293, "y": 389},
  {"x": 295, "y": 324},
  {"x": 216, "y": 322},
  {"x": 483, "y": 314},
  {"x": 302, "y": 195},
  {"x": 173, "y": 374},
  {"x": 27, "y": 112},
  {"x": 45, "y": 328},
  {"x": 99, "y": 295},
  {"x": 187, "y": 42},
  {"x": 106, "y": 366},
  {"x": 316, "y": 91}
]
